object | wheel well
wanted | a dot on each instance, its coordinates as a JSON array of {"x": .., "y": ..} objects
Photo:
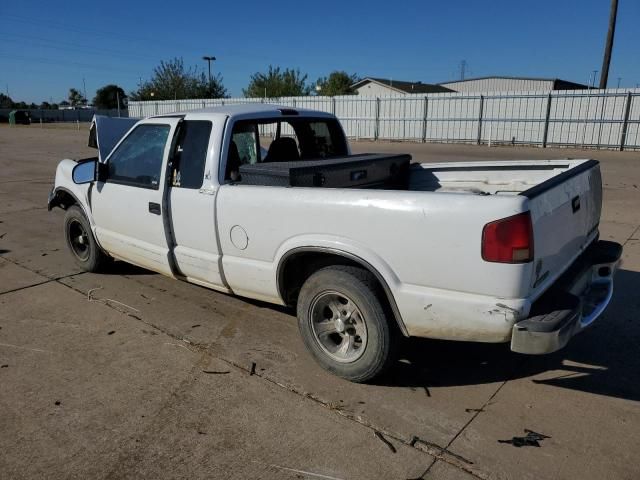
[
  {"x": 296, "y": 268},
  {"x": 63, "y": 199}
]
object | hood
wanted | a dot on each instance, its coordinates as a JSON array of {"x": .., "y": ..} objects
[{"x": 106, "y": 132}]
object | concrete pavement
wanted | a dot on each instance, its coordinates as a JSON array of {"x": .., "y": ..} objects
[{"x": 127, "y": 354}]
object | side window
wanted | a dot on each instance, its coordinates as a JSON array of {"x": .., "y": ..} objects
[
  {"x": 191, "y": 154},
  {"x": 138, "y": 159},
  {"x": 244, "y": 136},
  {"x": 243, "y": 149}
]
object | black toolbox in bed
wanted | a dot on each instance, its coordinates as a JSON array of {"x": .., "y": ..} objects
[{"x": 370, "y": 170}]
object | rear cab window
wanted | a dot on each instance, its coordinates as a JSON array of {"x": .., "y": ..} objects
[{"x": 283, "y": 140}]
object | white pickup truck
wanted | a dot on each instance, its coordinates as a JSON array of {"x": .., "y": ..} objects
[{"x": 503, "y": 251}]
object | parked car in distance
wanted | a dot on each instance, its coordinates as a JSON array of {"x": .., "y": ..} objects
[
  {"x": 269, "y": 203},
  {"x": 19, "y": 117}
]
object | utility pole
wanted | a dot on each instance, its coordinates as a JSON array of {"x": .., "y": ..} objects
[
  {"x": 84, "y": 87},
  {"x": 619, "y": 80},
  {"x": 209, "y": 59},
  {"x": 606, "y": 61},
  {"x": 463, "y": 68},
  {"x": 593, "y": 78}
]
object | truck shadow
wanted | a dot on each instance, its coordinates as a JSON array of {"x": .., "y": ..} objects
[
  {"x": 602, "y": 360},
  {"x": 123, "y": 268}
]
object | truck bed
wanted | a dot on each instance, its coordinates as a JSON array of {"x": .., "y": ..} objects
[{"x": 491, "y": 178}]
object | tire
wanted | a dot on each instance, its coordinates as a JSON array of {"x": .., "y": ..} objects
[
  {"x": 81, "y": 242},
  {"x": 344, "y": 324}
]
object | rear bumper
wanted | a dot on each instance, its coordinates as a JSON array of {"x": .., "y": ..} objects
[{"x": 573, "y": 303}]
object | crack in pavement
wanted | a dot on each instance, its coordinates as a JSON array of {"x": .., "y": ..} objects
[
  {"x": 127, "y": 458},
  {"x": 27, "y": 180},
  {"x": 438, "y": 452},
  {"x": 478, "y": 411},
  {"x": 31, "y": 209},
  {"x": 37, "y": 284},
  {"x": 631, "y": 236}
]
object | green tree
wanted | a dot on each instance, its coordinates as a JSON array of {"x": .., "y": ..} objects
[
  {"x": 5, "y": 101},
  {"x": 171, "y": 80},
  {"x": 45, "y": 106},
  {"x": 338, "y": 83},
  {"x": 76, "y": 99},
  {"x": 277, "y": 83},
  {"x": 107, "y": 97}
]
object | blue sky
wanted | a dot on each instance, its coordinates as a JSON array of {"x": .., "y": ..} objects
[{"x": 46, "y": 47}]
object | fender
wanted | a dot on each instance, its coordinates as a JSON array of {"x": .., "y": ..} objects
[
  {"x": 352, "y": 257},
  {"x": 56, "y": 200}
]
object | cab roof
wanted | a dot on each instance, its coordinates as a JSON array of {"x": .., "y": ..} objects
[{"x": 248, "y": 110}]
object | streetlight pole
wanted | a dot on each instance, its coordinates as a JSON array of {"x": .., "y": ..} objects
[{"x": 209, "y": 59}]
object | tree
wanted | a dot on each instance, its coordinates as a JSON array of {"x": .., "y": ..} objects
[
  {"x": 5, "y": 101},
  {"x": 338, "y": 83},
  {"x": 171, "y": 80},
  {"x": 45, "y": 106},
  {"x": 64, "y": 103},
  {"x": 107, "y": 97},
  {"x": 277, "y": 83},
  {"x": 76, "y": 99}
]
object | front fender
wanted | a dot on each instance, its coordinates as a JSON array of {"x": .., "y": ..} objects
[{"x": 65, "y": 187}]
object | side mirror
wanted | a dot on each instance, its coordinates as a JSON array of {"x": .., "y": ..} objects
[{"x": 85, "y": 172}]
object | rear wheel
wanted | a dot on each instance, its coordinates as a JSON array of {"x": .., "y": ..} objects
[
  {"x": 80, "y": 241},
  {"x": 343, "y": 323}
]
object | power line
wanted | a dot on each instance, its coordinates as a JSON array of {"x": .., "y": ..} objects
[
  {"x": 45, "y": 23},
  {"x": 67, "y": 46},
  {"x": 46, "y": 61},
  {"x": 162, "y": 43}
]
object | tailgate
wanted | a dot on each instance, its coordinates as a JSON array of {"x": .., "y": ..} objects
[{"x": 565, "y": 213}]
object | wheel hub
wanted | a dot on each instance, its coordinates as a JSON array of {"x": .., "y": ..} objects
[
  {"x": 338, "y": 326},
  {"x": 78, "y": 240}
]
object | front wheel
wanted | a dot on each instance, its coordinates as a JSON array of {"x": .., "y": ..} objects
[
  {"x": 343, "y": 323},
  {"x": 80, "y": 241}
]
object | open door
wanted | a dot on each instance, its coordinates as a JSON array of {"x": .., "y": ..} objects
[{"x": 128, "y": 201}]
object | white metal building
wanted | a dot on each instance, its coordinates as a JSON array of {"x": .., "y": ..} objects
[
  {"x": 511, "y": 84},
  {"x": 383, "y": 87}
]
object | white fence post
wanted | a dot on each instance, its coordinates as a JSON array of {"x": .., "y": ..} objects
[
  {"x": 545, "y": 133},
  {"x": 424, "y": 119},
  {"x": 480, "y": 113},
  {"x": 625, "y": 121}
]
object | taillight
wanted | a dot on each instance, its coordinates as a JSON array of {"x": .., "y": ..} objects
[{"x": 508, "y": 240}]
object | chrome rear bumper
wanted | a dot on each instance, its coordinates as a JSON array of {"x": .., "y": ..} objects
[{"x": 575, "y": 301}]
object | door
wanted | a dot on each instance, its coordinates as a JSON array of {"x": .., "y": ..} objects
[
  {"x": 192, "y": 200},
  {"x": 128, "y": 207}
]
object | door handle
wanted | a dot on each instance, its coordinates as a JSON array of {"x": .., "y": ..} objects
[{"x": 154, "y": 208}]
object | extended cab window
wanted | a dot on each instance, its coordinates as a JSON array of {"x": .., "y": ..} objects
[
  {"x": 191, "y": 154},
  {"x": 138, "y": 159},
  {"x": 283, "y": 140}
]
